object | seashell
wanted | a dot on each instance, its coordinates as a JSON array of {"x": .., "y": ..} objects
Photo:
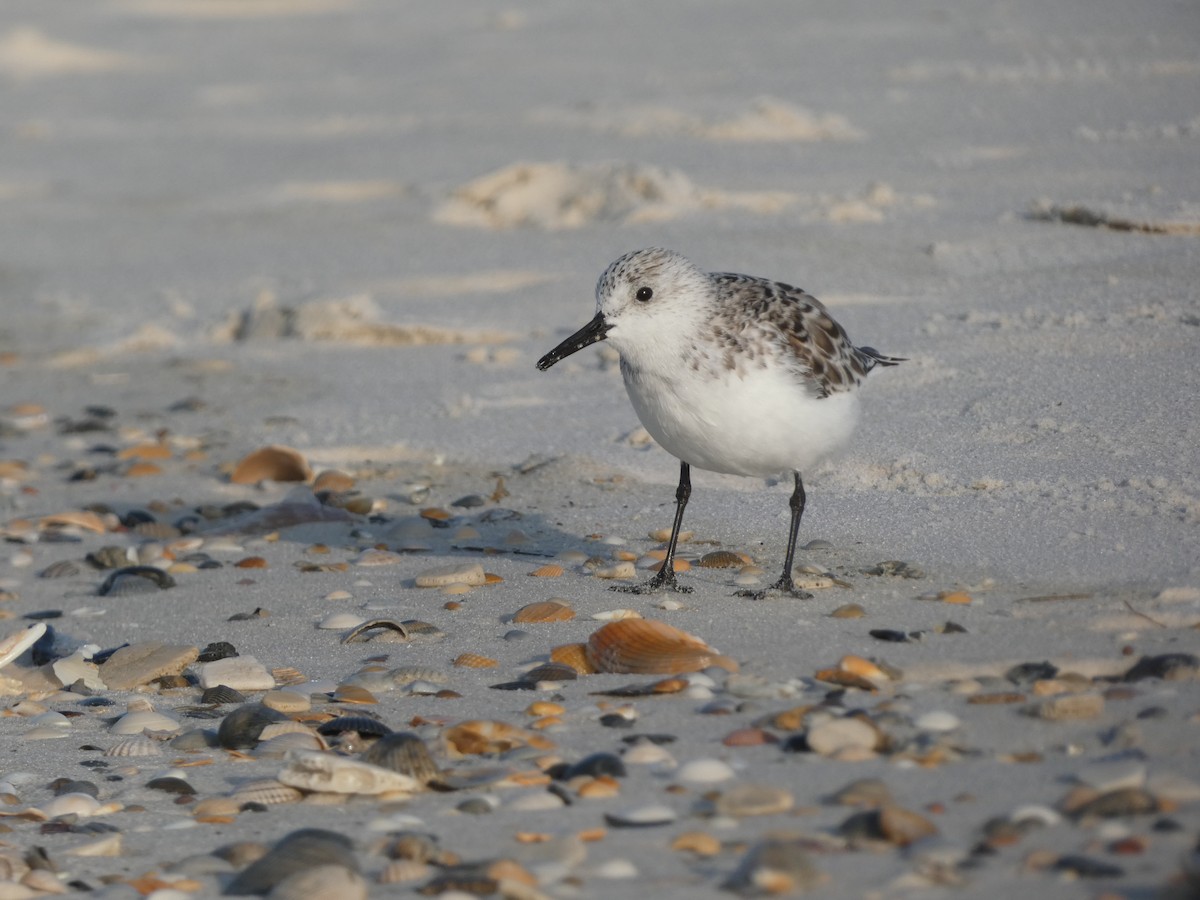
[
  {"x": 641, "y": 817},
  {"x": 308, "y": 848},
  {"x": 575, "y": 656},
  {"x": 616, "y": 615},
  {"x": 156, "y": 531},
  {"x": 242, "y": 728},
  {"x": 19, "y": 641},
  {"x": 404, "y": 752},
  {"x": 401, "y": 871},
  {"x": 77, "y": 804},
  {"x": 646, "y": 646},
  {"x": 271, "y": 463},
  {"x": 222, "y": 694},
  {"x": 624, "y": 569},
  {"x": 474, "y": 661},
  {"x": 664, "y": 534},
  {"x": 480, "y": 736},
  {"x": 75, "y": 518},
  {"x": 722, "y": 559},
  {"x": 355, "y": 694},
  {"x": 779, "y": 864},
  {"x": 552, "y": 671},
  {"x": 321, "y": 883},
  {"x": 137, "y": 746},
  {"x": 242, "y": 673},
  {"x": 373, "y": 556},
  {"x": 368, "y": 726},
  {"x": 550, "y": 570},
  {"x": 545, "y": 611},
  {"x": 64, "y": 568},
  {"x": 465, "y": 573},
  {"x": 110, "y": 557},
  {"x": 405, "y": 675},
  {"x": 332, "y": 480},
  {"x": 359, "y": 633},
  {"x": 266, "y": 791},
  {"x": 754, "y": 800},
  {"x": 279, "y": 745},
  {"x": 327, "y": 773},
  {"x": 143, "y": 720}
]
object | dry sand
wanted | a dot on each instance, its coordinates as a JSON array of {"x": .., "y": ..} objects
[{"x": 351, "y": 226}]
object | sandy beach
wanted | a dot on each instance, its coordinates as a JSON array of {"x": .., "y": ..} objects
[{"x": 351, "y": 227}]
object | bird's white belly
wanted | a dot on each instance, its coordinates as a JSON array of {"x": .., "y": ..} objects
[{"x": 760, "y": 423}]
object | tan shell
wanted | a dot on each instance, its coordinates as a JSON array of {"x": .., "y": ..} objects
[
  {"x": 573, "y": 655},
  {"x": 479, "y": 736},
  {"x": 271, "y": 463},
  {"x": 78, "y": 517},
  {"x": 267, "y": 791},
  {"x": 544, "y": 611},
  {"x": 333, "y": 480},
  {"x": 649, "y": 647},
  {"x": 550, "y": 570},
  {"x": 722, "y": 559},
  {"x": 474, "y": 661}
]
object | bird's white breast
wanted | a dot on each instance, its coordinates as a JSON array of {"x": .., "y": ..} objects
[{"x": 759, "y": 422}]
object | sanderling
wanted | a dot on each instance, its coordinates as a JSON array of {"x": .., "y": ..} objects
[{"x": 727, "y": 372}]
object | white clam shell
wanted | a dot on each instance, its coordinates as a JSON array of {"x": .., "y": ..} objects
[{"x": 338, "y": 775}]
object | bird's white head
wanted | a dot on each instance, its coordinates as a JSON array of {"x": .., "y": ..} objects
[{"x": 643, "y": 301}]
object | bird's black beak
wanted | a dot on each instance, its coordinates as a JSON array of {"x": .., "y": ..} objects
[{"x": 595, "y": 330}]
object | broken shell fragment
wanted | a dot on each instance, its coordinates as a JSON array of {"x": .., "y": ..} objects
[
  {"x": 327, "y": 773},
  {"x": 648, "y": 647}
]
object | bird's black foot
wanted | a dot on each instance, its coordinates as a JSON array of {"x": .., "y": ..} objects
[
  {"x": 663, "y": 581},
  {"x": 783, "y": 586}
]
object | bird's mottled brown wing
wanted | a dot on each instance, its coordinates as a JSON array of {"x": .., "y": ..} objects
[{"x": 800, "y": 325}]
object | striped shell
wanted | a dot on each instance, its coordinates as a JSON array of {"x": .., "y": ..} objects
[
  {"x": 134, "y": 747},
  {"x": 545, "y": 611},
  {"x": 722, "y": 559},
  {"x": 550, "y": 570},
  {"x": 649, "y": 647},
  {"x": 474, "y": 661},
  {"x": 404, "y": 752},
  {"x": 266, "y": 791},
  {"x": 573, "y": 655}
]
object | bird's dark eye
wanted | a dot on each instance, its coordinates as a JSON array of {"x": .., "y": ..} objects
[{"x": 644, "y": 294}]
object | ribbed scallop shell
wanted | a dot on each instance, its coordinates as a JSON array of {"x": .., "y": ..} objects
[
  {"x": 404, "y": 752},
  {"x": 649, "y": 647},
  {"x": 135, "y": 747},
  {"x": 266, "y": 791},
  {"x": 549, "y": 570},
  {"x": 545, "y": 611},
  {"x": 575, "y": 656},
  {"x": 722, "y": 559}
]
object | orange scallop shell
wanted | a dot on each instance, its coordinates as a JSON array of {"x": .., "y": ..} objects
[
  {"x": 649, "y": 647},
  {"x": 271, "y": 463},
  {"x": 550, "y": 570},
  {"x": 474, "y": 661},
  {"x": 722, "y": 559},
  {"x": 545, "y": 611},
  {"x": 575, "y": 656}
]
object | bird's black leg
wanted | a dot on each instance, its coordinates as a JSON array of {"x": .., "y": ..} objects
[
  {"x": 797, "y": 506},
  {"x": 785, "y": 584},
  {"x": 665, "y": 579}
]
